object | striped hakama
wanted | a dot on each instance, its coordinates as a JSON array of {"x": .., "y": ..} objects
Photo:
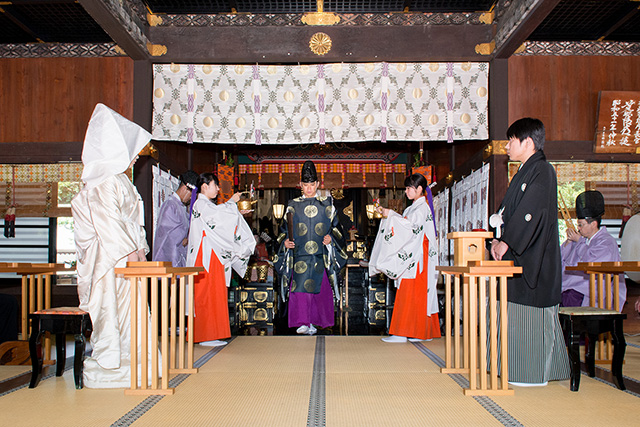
[{"x": 537, "y": 350}]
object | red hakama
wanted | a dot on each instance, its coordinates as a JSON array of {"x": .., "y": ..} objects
[
  {"x": 211, "y": 321},
  {"x": 410, "y": 317}
]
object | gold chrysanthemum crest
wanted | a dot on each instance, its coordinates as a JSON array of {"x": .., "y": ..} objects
[{"x": 320, "y": 43}]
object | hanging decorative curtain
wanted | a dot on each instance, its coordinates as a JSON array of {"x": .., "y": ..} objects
[
  {"x": 470, "y": 201},
  {"x": 330, "y": 175},
  {"x": 302, "y": 104},
  {"x": 225, "y": 175}
]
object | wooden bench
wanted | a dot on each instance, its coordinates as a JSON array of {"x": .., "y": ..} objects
[{"x": 591, "y": 321}]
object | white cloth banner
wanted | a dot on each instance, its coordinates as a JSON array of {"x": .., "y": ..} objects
[
  {"x": 164, "y": 184},
  {"x": 301, "y": 104},
  {"x": 441, "y": 208},
  {"x": 470, "y": 202}
]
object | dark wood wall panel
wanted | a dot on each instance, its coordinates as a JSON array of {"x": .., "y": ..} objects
[
  {"x": 51, "y": 99},
  {"x": 562, "y": 91}
]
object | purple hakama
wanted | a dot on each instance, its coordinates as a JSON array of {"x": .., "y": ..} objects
[{"x": 307, "y": 308}]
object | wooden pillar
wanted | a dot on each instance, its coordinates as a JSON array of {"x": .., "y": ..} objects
[{"x": 499, "y": 98}]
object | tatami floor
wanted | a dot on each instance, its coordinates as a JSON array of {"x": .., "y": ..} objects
[{"x": 321, "y": 380}]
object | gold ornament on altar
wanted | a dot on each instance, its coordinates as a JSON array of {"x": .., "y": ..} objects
[
  {"x": 348, "y": 211},
  {"x": 320, "y": 17},
  {"x": 320, "y": 43}
]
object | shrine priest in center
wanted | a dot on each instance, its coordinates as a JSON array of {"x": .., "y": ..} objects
[{"x": 311, "y": 257}]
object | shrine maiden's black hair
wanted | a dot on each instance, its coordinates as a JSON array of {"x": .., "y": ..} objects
[
  {"x": 415, "y": 180},
  {"x": 206, "y": 178}
]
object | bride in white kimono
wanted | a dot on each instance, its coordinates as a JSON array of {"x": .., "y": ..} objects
[{"x": 108, "y": 219}]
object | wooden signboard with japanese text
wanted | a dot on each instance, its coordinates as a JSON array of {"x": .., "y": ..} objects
[{"x": 618, "y": 128}]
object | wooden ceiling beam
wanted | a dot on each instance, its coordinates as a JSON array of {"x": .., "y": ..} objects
[
  {"x": 272, "y": 44},
  {"x": 123, "y": 27},
  {"x": 41, "y": 152},
  {"x": 620, "y": 23},
  {"x": 518, "y": 22}
]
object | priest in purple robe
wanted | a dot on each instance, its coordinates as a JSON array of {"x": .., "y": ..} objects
[
  {"x": 172, "y": 230},
  {"x": 591, "y": 243}
]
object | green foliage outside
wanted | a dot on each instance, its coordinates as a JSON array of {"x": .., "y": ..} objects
[{"x": 67, "y": 191}]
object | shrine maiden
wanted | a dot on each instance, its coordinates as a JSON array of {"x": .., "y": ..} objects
[
  {"x": 406, "y": 250},
  {"x": 219, "y": 240}
]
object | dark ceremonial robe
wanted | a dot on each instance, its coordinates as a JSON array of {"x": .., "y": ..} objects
[
  {"x": 313, "y": 218},
  {"x": 531, "y": 230}
]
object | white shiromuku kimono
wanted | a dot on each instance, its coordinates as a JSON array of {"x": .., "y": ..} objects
[
  {"x": 225, "y": 232},
  {"x": 108, "y": 220},
  {"x": 397, "y": 251},
  {"x": 107, "y": 229}
]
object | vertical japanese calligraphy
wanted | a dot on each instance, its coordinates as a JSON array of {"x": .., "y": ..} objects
[{"x": 618, "y": 127}]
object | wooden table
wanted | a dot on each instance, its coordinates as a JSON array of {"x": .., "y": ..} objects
[
  {"x": 170, "y": 279},
  {"x": 36, "y": 292},
  {"x": 473, "y": 359}
]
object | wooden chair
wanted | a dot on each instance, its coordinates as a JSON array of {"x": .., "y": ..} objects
[
  {"x": 592, "y": 321},
  {"x": 604, "y": 291},
  {"x": 59, "y": 321}
]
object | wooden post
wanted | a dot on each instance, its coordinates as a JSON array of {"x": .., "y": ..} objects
[
  {"x": 173, "y": 322},
  {"x": 165, "y": 333},
  {"x": 493, "y": 331},
  {"x": 24, "y": 331},
  {"x": 144, "y": 335},
  {"x": 447, "y": 321},
  {"x": 133, "y": 283},
  {"x": 482, "y": 305},
  {"x": 504, "y": 349}
]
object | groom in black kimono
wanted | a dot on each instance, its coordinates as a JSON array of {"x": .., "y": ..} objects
[{"x": 527, "y": 233}]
